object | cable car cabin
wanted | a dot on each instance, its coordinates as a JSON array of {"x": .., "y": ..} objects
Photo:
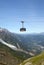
[{"x": 22, "y": 29}]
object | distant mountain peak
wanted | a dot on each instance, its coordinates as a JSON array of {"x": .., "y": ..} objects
[{"x": 3, "y": 30}]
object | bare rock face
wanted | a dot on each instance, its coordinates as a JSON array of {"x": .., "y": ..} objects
[{"x": 6, "y": 58}]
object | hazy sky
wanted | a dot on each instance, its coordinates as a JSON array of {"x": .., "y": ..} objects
[{"x": 12, "y": 12}]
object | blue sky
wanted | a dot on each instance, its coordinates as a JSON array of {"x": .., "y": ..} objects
[{"x": 12, "y": 12}]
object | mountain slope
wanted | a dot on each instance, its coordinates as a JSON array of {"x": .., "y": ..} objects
[
  {"x": 37, "y": 60},
  {"x": 26, "y": 46},
  {"x": 15, "y": 49},
  {"x": 33, "y": 44},
  {"x": 8, "y": 36},
  {"x": 7, "y": 56}
]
